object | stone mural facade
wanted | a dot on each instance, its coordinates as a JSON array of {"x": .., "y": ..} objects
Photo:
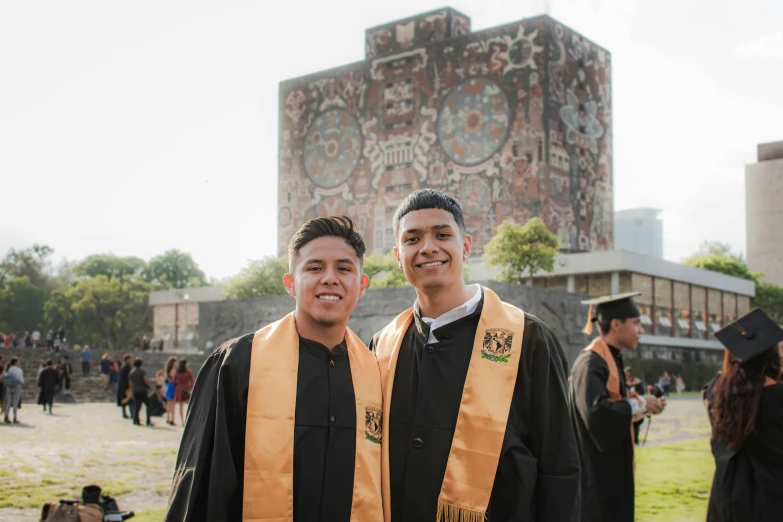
[{"x": 514, "y": 121}]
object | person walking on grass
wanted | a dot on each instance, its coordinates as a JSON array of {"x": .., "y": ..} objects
[
  {"x": 66, "y": 370},
  {"x": 14, "y": 379},
  {"x": 86, "y": 356},
  {"x": 140, "y": 386},
  {"x": 183, "y": 380},
  {"x": 48, "y": 379}
]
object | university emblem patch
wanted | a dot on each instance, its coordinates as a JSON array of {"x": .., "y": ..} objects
[
  {"x": 497, "y": 344},
  {"x": 373, "y": 424}
]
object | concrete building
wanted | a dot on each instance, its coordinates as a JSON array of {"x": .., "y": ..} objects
[
  {"x": 175, "y": 315},
  {"x": 515, "y": 121},
  {"x": 639, "y": 230},
  {"x": 681, "y": 306},
  {"x": 764, "y": 212}
]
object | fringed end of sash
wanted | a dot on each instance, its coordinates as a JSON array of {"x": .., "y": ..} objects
[
  {"x": 588, "y": 329},
  {"x": 451, "y": 513}
]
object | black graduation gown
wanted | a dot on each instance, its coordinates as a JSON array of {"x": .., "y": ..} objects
[
  {"x": 537, "y": 478},
  {"x": 124, "y": 384},
  {"x": 209, "y": 474},
  {"x": 748, "y": 483},
  {"x": 47, "y": 381},
  {"x": 604, "y": 433}
]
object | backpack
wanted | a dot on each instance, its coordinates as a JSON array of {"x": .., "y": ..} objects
[
  {"x": 11, "y": 379},
  {"x": 71, "y": 512}
]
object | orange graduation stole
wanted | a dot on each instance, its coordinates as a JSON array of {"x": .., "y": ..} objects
[
  {"x": 599, "y": 347},
  {"x": 268, "y": 494},
  {"x": 483, "y": 410}
]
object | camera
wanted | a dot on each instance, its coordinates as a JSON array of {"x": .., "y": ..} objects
[{"x": 657, "y": 391}]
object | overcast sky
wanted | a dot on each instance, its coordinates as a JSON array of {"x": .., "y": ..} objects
[{"x": 134, "y": 127}]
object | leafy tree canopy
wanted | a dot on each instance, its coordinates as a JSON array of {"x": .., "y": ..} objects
[
  {"x": 517, "y": 249},
  {"x": 259, "y": 278},
  {"x": 174, "y": 269},
  {"x": 110, "y": 266}
]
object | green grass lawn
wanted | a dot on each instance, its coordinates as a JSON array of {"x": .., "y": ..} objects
[{"x": 673, "y": 481}]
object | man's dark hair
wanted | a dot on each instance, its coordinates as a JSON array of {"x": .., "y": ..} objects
[
  {"x": 126, "y": 357},
  {"x": 335, "y": 226},
  {"x": 428, "y": 198},
  {"x": 49, "y": 363},
  {"x": 606, "y": 326},
  {"x": 138, "y": 362}
]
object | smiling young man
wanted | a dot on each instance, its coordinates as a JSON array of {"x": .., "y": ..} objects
[
  {"x": 603, "y": 411},
  {"x": 284, "y": 424},
  {"x": 476, "y": 423}
]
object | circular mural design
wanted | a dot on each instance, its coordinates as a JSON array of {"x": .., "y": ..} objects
[
  {"x": 474, "y": 195},
  {"x": 332, "y": 148},
  {"x": 473, "y": 121}
]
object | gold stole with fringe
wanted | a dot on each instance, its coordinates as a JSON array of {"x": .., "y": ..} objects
[
  {"x": 483, "y": 410},
  {"x": 268, "y": 494},
  {"x": 600, "y": 348}
]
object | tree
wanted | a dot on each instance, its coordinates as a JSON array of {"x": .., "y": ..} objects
[
  {"x": 116, "y": 307},
  {"x": 516, "y": 249},
  {"x": 21, "y": 305},
  {"x": 383, "y": 271},
  {"x": 723, "y": 264},
  {"x": 259, "y": 278},
  {"x": 770, "y": 298},
  {"x": 110, "y": 266},
  {"x": 716, "y": 248},
  {"x": 174, "y": 269},
  {"x": 30, "y": 262}
]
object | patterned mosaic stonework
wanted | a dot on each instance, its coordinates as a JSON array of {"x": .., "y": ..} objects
[
  {"x": 514, "y": 121},
  {"x": 474, "y": 121},
  {"x": 332, "y": 148}
]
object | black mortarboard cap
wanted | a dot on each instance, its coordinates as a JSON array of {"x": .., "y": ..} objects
[
  {"x": 750, "y": 335},
  {"x": 608, "y": 307}
]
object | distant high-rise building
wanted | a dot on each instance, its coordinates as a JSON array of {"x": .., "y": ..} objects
[
  {"x": 764, "y": 212},
  {"x": 639, "y": 230},
  {"x": 515, "y": 121}
]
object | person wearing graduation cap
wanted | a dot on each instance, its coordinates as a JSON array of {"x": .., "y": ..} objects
[
  {"x": 284, "y": 423},
  {"x": 746, "y": 411},
  {"x": 602, "y": 410}
]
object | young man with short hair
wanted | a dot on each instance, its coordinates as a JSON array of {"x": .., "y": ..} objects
[
  {"x": 475, "y": 423},
  {"x": 284, "y": 424},
  {"x": 603, "y": 410},
  {"x": 124, "y": 393}
]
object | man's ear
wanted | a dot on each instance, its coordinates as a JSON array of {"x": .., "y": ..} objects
[
  {"x": 363, "y": 283},
  {"x": 397, "y": 255},
  {"x": 467, "y": 245},
  {"x": 288, "y": 283}
]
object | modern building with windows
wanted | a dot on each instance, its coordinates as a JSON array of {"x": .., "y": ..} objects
[{"x": 682, "y": 306}]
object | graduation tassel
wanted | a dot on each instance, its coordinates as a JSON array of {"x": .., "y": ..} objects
[{"x": 588, "y": 329}]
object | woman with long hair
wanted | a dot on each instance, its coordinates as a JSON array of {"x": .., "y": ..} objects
[
  {"x": 746, "y": 411},
  {"x": 184, "y": 381},
  {"x": 168, "y": 372}
]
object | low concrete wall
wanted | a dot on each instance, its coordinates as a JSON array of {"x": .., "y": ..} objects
[{"x": 561, "y": 311}]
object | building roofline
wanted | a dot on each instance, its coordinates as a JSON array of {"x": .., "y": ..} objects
[
  {"x": 624, "y": 261},
  {"x": 416, "y": 16},
  {"x": 680, "y": 342}
]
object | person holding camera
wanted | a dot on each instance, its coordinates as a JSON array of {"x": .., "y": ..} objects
[
  {"x": 603, "y": 410},
  {"x": 746, "y": 412}
]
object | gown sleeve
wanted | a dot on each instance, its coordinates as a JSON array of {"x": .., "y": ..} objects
[
  {"x": 549, "y": 431},
  {"x": 607, "y": 422},
  {"x": 209, "y": 474}
]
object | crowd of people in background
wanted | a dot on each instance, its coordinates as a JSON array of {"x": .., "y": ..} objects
[{"x": 172, "y": 385}]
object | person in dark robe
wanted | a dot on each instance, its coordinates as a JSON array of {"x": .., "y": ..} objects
[
  {"x": 746, "y": 412},
  {"x": 475, "y": 403},
  {"x": 124, "y": 393},
  {"x": 603, "y": 410},
  {"x": 48, "y": 380},
  {"x": 284, "y": 424}
]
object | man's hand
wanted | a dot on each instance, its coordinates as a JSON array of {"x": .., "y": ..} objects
[{"x": 655, "y": 405}]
